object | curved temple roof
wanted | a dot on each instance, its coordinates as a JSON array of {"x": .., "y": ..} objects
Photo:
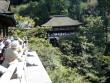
[
  {"x": 7, "y": 20},
  {"x": 4, "y": 6},
  {"x": 6, "y": 17},
  {"x": 58, "y": 21}
]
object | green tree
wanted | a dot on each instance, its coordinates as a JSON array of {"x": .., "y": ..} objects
[
  {"x": 104, "y": 7},
  {"x": 94, "y": 29},
  {"x": 36, "y": 10},
  {"x": 70, "y": 45}
]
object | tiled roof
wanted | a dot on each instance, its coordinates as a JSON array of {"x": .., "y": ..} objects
[
  {"x": 6, "y": 17},
  {"x": 4, "y": 6},
  {"x": 62, "y": 21}
]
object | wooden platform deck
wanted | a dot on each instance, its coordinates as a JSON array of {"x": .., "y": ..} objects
[
  {"x": 36, "y": 74},
  {"x": 32, "y": 74}
]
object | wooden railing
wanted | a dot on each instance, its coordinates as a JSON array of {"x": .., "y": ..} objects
[
  {"x": 6, "y": 77},
  {"x": 18, "y": 66},
  {"x": 26, "y": 74}
]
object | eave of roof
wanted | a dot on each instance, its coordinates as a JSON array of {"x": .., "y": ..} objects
[
  {"x": 4, "y": 6},
  {"x": 7, "y": 20},
  {"x": 62, "y": 21},
  {"x": 6, "y": 17}
]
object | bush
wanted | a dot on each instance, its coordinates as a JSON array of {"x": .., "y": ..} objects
[
  {"x": 67, "y": 66},
  {"x": 70, "y": 45}
]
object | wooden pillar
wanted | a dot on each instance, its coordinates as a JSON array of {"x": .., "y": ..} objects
[
  {"x": 7, "y": 31},
  {"x": 0, "y": 31},
  {"x": 3, "y": 31}
]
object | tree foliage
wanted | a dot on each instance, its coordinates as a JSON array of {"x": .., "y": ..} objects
[{"x": 79, "y": 58}]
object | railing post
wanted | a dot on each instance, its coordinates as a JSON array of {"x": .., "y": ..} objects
[{"x": 5, "y": 78}]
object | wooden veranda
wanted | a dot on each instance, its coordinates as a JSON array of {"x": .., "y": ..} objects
[
  {"x": 29, "y": 74},
  {"x": 6, "y": 17}
]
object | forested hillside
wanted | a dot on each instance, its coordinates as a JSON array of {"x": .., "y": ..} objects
[{"x": 65, "y": 64}]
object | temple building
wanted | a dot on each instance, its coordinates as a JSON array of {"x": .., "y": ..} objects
[
  {"x": 16, "y": 2},
  {"x": 61, "y": 26},
  {"x": 6, "y": 17}
]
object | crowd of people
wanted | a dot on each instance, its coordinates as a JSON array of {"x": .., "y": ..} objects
[{"x": 11, "y": 50}]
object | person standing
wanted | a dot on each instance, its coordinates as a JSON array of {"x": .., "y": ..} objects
[{"x": 11, "y": 56}]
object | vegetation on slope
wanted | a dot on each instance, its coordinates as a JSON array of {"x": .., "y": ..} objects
[
  {"x": 82, "y": 58},
  {"x": 63, "y": 64}
]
